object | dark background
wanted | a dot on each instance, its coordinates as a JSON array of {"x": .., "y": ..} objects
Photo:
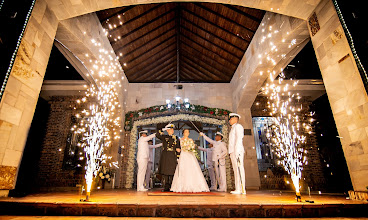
[{"x": 12, "y": 18}]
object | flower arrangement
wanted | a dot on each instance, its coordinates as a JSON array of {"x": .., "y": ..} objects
[
  {"x": 146, "y": 112},
  {"x": 105, "y": 174}
]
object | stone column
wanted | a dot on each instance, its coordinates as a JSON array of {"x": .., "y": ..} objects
[
  {"x": 345, "y": 89},
  {"x": 22, "y": 90},
  {"x": 252, "y": 178}
]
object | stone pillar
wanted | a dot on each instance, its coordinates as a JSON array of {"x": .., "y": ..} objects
[
  {"x": 22, "y": 90},
  {"x": 252, "y": 178},
  {"x": 344, "y": 87}
]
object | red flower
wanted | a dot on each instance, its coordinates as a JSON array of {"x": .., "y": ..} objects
[
  {"x": 150, "y": 109},
  {"x": 204, "y": 108},
  {"x": 225, "y": 112},
  {"x": 220, "y": 112},
  {"x": 211, "y": 112},
  {"x": 131, "y": 115}
]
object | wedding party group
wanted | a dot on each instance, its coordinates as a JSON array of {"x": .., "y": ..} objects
[{"x": 179, "y": 166}]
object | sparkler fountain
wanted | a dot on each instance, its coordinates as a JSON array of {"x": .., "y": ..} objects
[
  {"x": 98, "y": 135},
  {"x": 99, "y": 124},
  {"x": 287, "y": 133}
]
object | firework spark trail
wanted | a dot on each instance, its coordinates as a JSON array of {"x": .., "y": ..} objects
[
  {"x": 286, "y": 132},
  {"x": 98, "y": 124}
]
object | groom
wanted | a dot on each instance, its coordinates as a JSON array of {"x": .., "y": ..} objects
[{"x": 169, "y": 155}]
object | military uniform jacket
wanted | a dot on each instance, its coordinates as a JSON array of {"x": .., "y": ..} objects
[
  {"x": 219, "y": 150},
  {"x": 168, "y": 159}
]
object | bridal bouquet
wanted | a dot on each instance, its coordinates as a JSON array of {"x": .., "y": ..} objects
[{"x": 189, "y": 146}]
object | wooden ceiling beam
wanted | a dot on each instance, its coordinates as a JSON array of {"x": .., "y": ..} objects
[
  {"x": 148, "y": 42},
  {"x": 159, "y": 72},
  {"x": 137, "y": 17},
  {"x": 201, "y": 75},
  {"x": 156, "y": 64},
  {"x": 157, "y": 45},
  {"x": 213, "y": 24},
  {"x": 243, "y": 13},
  {"x": 204, "y": 56},
  {"x": 191, "y": 75},
  {"x": 208, "y": 59},
  {"x": 212, "y": 34},
  {"x": 160, "y": 51},
  {"x": 202, "y": 64},
  {"x": 149, "y": 63},
  {"x": 203, "y": 47},
  {"x": 125, "y": 9},
  {"x": 141, "y": 78},
  {"x": 166, "y": 74},
  {"x": 172, "y": 67},
  {"x": 197, "y": 62},
  {"x": 147, "y": 23},
  {"x": 215, "y": 45},
  {"x": 142, "y": 36},
  {"x": 225, "y": 18},
  {"x": 152, "y": 65},
  {"x": 194, "y": 68}
]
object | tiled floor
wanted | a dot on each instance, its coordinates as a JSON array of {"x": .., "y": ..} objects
[{"x": 141, "y": 198}]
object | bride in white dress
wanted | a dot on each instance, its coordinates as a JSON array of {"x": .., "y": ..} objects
[{"x": 188, "y": 175}]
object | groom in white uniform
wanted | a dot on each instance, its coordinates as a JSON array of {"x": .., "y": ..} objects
[
  {"x": 142, "y": 158},
  {"x": 218, "y": 156},
  {"x": 236, "y": 151}
]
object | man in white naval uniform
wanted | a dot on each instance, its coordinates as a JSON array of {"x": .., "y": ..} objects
[
  {"x": 218, "y": 156},
  {"x": 150, "y": 162},
  {"x": 210, "y": 165},
  {"x": 236, "y": 151},
  {"x": 142, "y": 158}
]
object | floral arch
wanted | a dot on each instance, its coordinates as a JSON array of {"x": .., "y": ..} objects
[{"x": 166, "y": 117}]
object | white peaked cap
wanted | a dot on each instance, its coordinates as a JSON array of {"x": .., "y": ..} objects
[
  {"x": 218, "y": 133},
  {"x": 143, "y": 132},
  {"x": 234, "y": 115},
  {"x": 168, "y": 126}
]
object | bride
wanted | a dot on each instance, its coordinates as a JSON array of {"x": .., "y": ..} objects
[{"x": 188, "y": 175}]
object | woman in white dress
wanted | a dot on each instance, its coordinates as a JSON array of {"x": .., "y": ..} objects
[{"x": 188, "y": 175}]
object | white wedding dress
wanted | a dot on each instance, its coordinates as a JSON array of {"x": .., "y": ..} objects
[{"x": 188, "y": 175}]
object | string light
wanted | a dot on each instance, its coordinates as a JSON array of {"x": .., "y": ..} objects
[
  {"x": 16, "y": 48},
  {"x": 352, "y": 47}
]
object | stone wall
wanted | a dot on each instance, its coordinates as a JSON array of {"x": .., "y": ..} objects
[
  {"x": 214, "y": 95},
  {"x": 345, "y": 89},
  {"x": 51, "y": 173},
  {"x": 313, "y": 171},
  {"x": 23, "y": 87}
]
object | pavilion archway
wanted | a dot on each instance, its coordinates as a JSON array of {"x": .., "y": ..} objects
[{"x": 342, "y": 80}]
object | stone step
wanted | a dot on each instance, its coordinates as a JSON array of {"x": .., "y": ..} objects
[{"x": 187, "y": 211}]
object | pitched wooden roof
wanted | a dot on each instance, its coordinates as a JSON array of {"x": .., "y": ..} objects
[{"x": 185, "y": 42}]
